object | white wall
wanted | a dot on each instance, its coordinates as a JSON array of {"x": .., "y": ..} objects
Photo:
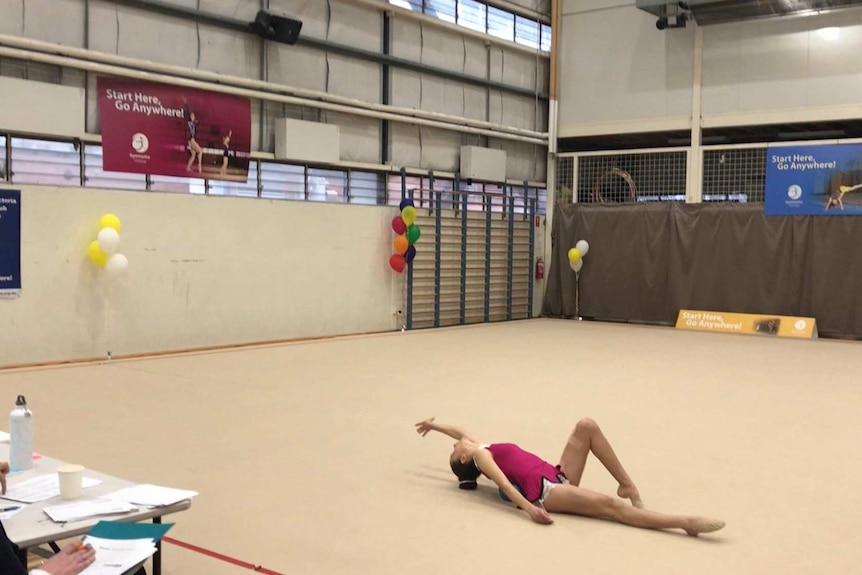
[
  {"x": 619, "y": 73},
  {"x": 204, "y": 271},
  {"x": 616, "y": 68},
  {"x": 783, "y": 64}
]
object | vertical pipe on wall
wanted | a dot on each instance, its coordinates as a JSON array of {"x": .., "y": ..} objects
[
  {"x": 438, "y": 221},
  {"x": 487, "y": 200},
  {"x": 462, "y": 318},
  {"x": 531, "y": 278},
  {"x": 410, "y": 281},
  {"x": 694, "y": 171},
  {"x": 553, "y": 129},
  {"x": 409, "y": 311},
  {"x": 510, "y": 254},
  {"x": 385, "y": 90}
]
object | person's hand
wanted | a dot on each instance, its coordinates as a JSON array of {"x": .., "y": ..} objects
[
  {"x": 423, "y": 427},
  {"x": 539, "y": 515},
  {"x": 70, "y": 561},
  {"x": 4, "y": 469}
]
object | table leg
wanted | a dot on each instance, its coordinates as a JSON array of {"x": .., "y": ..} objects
[{"x": 157, "y": 557}]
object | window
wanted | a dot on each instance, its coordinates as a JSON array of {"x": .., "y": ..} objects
[
  {"x": 546, "y": 38},
  {"x": 3, "y": 175},
  {"x": 496, "y": 193},
  {"x": 475, "y": 196},
  {"x": 96, "y": 177},
  {"x": 441, "y": 9},
  {"x": 472, "y": 15},
  {"x": 479, "y": 16},
  {"x": 282, "y": 181},
  {"x": 327, "y": 185},
  {"x": 177, "y": 185},
  {"x": 248, "y": 189},
  {"x": 415, "y": 5},
  {"x": 526, "y": 32},
  {"x": 542, "y": 203},
  {"x": 393, "y": 188},
  {"x": 501, "y": 23},
  {"x": 367, "y": 188},
  {"x": 516, "y": 193},
  {"x": 46, "y": 163}
]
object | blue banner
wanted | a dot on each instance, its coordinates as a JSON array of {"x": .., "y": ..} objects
[
  {"x": 814, "y": 180},
  {"x": 10, "y": 243}
]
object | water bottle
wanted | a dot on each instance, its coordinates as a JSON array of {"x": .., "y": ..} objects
[{"x": 21, "y": 436}]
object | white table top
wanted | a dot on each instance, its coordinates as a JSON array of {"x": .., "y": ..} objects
[{"x": 31, "y": 526}]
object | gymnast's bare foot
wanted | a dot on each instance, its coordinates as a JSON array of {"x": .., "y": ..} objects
[
  {"x": 698, "y": 525},
  {"x": 631, "y": 492}
]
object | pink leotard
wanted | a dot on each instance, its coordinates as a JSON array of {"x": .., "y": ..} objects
[{"x": 523, "y": 469}]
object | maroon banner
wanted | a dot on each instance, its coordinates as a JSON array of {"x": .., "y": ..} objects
[{"x": 150, "y": 128}]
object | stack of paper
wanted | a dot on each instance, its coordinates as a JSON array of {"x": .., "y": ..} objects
[
  {"x": 40, "y": 488},
  {"x": 151, "y": 495},
  {"x": 84, "y": 509},
  {"x": 121, "y": 546},
  {"x": 116, "y": 556}
]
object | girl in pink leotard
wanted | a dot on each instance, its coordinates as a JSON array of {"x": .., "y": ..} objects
[{"x": 539, "y": 488}]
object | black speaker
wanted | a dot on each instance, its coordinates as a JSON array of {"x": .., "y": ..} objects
[{"x": 276, "y": 28}]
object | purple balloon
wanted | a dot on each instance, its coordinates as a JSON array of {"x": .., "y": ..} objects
[
  {"x": 410, "y": 254},
  {"x": 404, "y": 203}
]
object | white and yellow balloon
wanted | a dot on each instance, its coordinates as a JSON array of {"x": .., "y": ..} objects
[
  {"x": 103, "y": 250},
  {"x": 576, "y": 255}
]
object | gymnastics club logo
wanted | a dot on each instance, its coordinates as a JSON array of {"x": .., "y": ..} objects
[
  {"x": 140, "y": 143},
  {"x": 794, "y": 192}
]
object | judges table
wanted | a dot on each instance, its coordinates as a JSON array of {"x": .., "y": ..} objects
[{"x": 31, "y": 527}]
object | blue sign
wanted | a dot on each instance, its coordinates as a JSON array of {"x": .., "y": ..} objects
[
  {"x": 814, "y": 180},
  {"x": 10, "y": 243}
]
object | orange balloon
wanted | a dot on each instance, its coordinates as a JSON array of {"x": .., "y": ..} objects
[{"x": 401, "y": 244}]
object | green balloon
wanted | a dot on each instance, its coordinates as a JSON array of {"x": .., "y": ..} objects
[{"x": 413, "y": 233}]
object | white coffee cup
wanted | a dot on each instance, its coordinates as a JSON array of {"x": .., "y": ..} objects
[{"x": 71, "y": 479}]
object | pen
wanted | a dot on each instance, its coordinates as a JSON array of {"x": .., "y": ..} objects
[{"x": 13, "y": 508}]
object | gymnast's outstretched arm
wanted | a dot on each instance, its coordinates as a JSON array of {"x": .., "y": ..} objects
[{"x": 453, "y": 431}]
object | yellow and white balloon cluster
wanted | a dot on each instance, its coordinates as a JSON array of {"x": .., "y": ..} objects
[
  {"x": 576, "y": 255},
  {"x": 103, "y": 250}
]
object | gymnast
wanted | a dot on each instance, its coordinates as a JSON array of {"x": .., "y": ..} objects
[{"x": 539, "y": 488}]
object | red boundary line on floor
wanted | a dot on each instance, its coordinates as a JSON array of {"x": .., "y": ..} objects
[{"x": 219, "y": 556}]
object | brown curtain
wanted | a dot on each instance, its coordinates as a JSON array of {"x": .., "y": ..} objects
[{"x": 647, "y": 261}]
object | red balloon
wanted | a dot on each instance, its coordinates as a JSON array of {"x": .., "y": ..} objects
[
  {"x": 397, "y": 263},
  {"x": 398, "y": 225}
]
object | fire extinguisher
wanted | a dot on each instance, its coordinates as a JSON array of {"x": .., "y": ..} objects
[{"x": 540, "y": 269}]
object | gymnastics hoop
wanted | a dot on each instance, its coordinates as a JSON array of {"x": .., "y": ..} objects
[{"x": 597, "y": 195}]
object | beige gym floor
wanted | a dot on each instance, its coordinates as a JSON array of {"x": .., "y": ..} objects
[{"x": 306, "y": 459}]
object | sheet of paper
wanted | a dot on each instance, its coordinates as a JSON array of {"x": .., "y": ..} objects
[
  {"x": 152, "y": 495},
  {"x": 88, "y": 508},
  {"x": 9, "y": 511},
  {"x": 4, "y": 437},
  {"x": 115, "y": 556},
  {"x": 40, "y": 488}
]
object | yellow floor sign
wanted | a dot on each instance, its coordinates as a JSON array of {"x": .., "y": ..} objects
[{"x": 727, "y": 322}]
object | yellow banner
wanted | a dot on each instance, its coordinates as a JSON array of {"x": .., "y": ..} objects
[{"x": 727, "y": 322}]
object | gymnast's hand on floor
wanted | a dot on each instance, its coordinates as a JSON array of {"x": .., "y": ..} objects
[{"x": 539, "y": 515}]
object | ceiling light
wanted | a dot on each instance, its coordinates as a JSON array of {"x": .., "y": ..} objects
[{"x": 832, "y": 33}]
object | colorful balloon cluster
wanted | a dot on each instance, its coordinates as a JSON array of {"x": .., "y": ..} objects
[
  {"x": 408, "y": 234},
  {"x": 576, "y": 255},
  {"x": 103, "y": 250}
]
